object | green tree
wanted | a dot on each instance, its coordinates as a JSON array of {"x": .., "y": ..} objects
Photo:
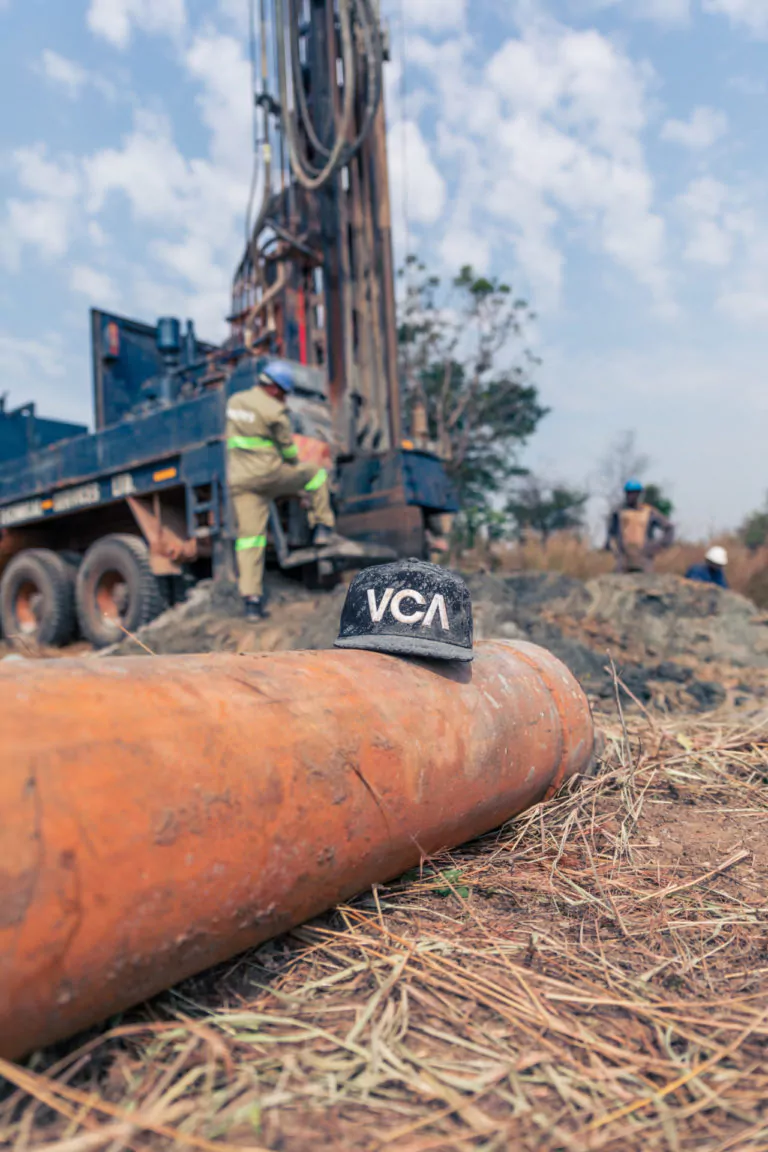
[
  {"x": 464, "y": 362},
  {"x": 654, "y": 495},
  {"x": 754, "y": 530},
  {"x": 547, "y": 508}
]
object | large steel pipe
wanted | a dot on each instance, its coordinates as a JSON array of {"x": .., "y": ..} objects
[{"x": 160, "y": 815}]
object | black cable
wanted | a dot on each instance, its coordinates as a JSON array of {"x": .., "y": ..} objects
[
  {"x": 374, "y": 55},
  {"x": 351, "y": 12},
  {"x": 255, "y": 141},
  {"x": 305, "y": 173}
]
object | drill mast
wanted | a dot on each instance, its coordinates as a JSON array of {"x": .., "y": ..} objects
[{"x": 316, "y": 282}]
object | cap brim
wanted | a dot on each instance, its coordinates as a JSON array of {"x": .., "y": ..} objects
[{"x": 406, "y": 646}]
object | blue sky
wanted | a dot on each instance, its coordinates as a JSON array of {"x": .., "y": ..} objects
[{"x": 606, "y": 156}]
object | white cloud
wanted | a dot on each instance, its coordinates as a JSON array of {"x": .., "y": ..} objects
[
  {"x": 97, "y": 286},
  {"x": 418, "y": 189},
  {"x": 436, "y": 15},
  {"x": 748, "y": 85},
  {"x": 460, "y": 246},
  {"x": 235, "y": 14},
  {"x": 97, "y": 235},
  {"x": 669, "y": 13},
  {"x": 36, "y": 173},
  {"x": 663, "y": 11},
  {"x": 70, "y": 77},
  {"x": 115, "y": 20},
  {"x": 18, "y": 355},
  {"x": 41, "y": 223},
  {"x": 67, "y": 74},
  {"x": 218, "y": 64},
  {"x": 705, "y": 127},
  {"x": 727, "y": 229},
  {"x": 148, "y": 169},
  {"x": 23, "y": 360},
  {"x": 753, "y": 14},
  {"x": 45, "y": 219},
  {"x": 194, "y": 205},
  {"x": 715, "y": 221},
  {"x": 744, "y": 296},
  {"x": 189, "y": 208},
  {"x": 548, "y": 136},
  {"x": 39, "y": 368},
  {"x": 748, "y": 306}
]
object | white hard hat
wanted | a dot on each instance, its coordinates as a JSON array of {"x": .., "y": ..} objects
[{"x": 717, "y": 555}]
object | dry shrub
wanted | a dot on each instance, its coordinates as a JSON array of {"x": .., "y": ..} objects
[
  {"x": 745, "y": 567},
  {"x": 564, "y": 552},
  {"x": 573, "y": 556}
]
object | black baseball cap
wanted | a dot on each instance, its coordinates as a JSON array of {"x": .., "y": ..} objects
[{"x": 409, "y": 608}]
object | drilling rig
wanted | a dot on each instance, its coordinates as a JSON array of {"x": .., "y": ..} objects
[
  {"x": 92, "y": 526},
  {"x": 316, "y": 281}
]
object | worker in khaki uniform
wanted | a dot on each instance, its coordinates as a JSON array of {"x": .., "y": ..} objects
[
  {"x": 263, "y": 464},
  {"x": 632, "y": 531}
]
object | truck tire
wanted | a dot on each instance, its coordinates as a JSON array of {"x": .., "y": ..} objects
[
  {"x": 37, "y": 599},
  {"x": 116, "y": 590}
]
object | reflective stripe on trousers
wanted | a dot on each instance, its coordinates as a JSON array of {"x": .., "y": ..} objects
[
  {"x": 317, "y": 481},
  {"x": 243, "y": 543}
]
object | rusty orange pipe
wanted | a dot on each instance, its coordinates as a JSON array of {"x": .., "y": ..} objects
[{"x": 160, "y": 815}]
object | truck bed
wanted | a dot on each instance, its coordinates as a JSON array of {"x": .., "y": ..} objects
[{"x": 178, "y": 444}]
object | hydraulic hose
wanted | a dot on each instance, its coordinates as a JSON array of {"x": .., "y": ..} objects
[
  {"x": 305, "y": 174},
  {"x": 266, "y": 145},
  {"x": 298, "y": 120},
  {"x": 374, "y": 55}
]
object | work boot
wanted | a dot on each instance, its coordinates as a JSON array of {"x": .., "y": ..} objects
[
  {"x": 436, "y": 543},
  {"x": 323, "y": 536},
  {"x": 255, "y": 608}
]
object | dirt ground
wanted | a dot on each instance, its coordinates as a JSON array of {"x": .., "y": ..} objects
[
  {"x": 593, "y": 975},
  {"x": 675, "y": 644}
]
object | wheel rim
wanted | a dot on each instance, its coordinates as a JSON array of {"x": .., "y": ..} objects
[
  {"x": 112, "y": 596},
  {"x": 27, "y": 607}
]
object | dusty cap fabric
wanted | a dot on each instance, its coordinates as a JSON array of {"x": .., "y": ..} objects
[{"x": 409, "y": 608}]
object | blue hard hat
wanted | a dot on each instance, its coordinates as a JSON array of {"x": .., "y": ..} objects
[
  {"x": 633, "y": 486},
  {"x": 278, "y": 372}
]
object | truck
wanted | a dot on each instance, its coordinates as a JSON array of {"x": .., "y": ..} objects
[{"x": 100, "y": 530}]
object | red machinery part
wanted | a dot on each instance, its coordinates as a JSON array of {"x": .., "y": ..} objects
[{"x": 160, "y": 815}]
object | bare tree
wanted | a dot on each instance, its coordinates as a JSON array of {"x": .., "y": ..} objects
[{"x": 622, "y": 461}]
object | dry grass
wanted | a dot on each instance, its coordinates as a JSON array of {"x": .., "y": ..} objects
[
  {"x": 566, "y": 553},
  {"x": 592, "y": 976}
]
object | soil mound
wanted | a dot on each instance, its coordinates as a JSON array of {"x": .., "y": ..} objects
[{"x": 672, "y": 642}]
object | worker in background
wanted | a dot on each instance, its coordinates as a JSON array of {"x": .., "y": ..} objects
[
  {"x": 636, "y": 531},
  {"x": 263, "y": 464},
  {"x": 712, "y": 571}
]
